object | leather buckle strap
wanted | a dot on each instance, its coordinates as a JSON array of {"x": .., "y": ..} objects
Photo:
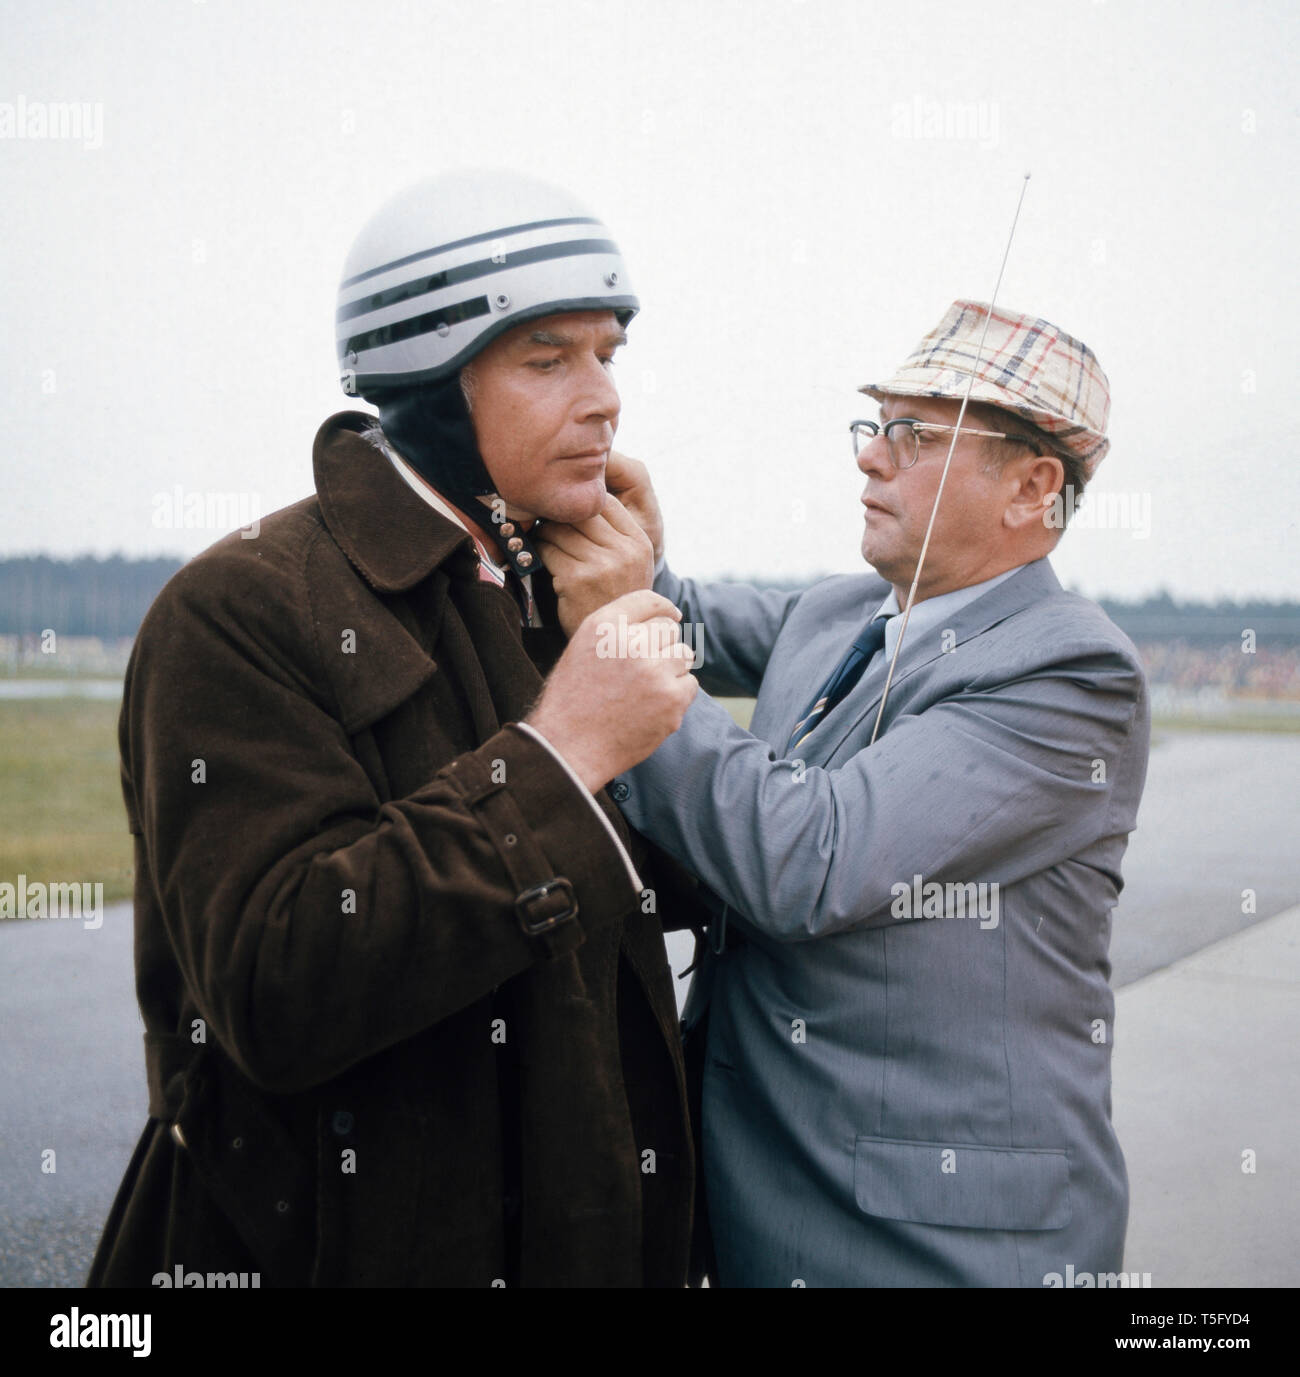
[{"x": 544, "y": 906}]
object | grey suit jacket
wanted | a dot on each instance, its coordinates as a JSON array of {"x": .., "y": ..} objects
[{"x": 907, "y": 1079}]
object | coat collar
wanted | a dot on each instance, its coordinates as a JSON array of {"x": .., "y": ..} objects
[{"x": 393, "y": 538}]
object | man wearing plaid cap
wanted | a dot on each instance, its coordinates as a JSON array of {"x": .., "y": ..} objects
[{"x": 904, "y": 1001}]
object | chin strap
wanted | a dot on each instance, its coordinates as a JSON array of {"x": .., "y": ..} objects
[
  {"x": 514, "y": 545},
  {"x": 518, "y": 548},
  {"x": 943, "y": 477},
  {"x": 430, "y": 426}
]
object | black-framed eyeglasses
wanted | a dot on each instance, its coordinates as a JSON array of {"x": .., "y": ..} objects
[{"x": 903, "y": 437}]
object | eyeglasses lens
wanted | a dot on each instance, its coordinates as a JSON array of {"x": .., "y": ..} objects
[{"x": 901, "y": 439}]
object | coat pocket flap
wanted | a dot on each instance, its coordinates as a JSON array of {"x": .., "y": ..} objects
[{"x": 962, "y": 1185}]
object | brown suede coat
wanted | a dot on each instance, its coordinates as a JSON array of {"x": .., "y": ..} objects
[{"x": 368, "y": 1064}]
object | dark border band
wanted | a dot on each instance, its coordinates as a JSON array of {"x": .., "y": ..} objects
[
  {"x": 471, "y": 239},
  {"x": 401, "y": 330},
  {"x": 467, "y": 272}
]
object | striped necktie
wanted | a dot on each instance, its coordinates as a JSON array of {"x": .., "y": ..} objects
[{"x": 846, "y": 674}]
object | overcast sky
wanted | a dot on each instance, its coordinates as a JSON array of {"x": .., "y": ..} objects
[{"x": 799, "y": 189}]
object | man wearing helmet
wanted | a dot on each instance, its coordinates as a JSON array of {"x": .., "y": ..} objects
[{"x": 409, "y": 1019}]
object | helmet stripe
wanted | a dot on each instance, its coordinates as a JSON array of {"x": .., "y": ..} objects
[
  {"x": 461, "y": 243},
  {"x": 467, "y": 272},
  {"x": 417, "y": 325}
]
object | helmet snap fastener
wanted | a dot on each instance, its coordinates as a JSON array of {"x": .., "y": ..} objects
[
  {"x": 611, "y": 279},
  {"x": 501, "y": 301}
]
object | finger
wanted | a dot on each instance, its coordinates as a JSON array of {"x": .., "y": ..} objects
[
  {"x": 652, "y": 640},
  {"x": 685, "y": 652},
  {"x": 559, "y": 562},
  {"x": 669, "y": 631},
  {"x": 656, "y": 644},
  {"x": 575, "y": 538},
  {"x": 622, "y": 473},
  {"x": 598, "y": 530},
  {"x": 641, "y": 606},
  {"x": 619, "y": 519}
]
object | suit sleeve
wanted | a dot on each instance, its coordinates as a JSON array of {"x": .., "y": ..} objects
[
  {"x": 313, "y": 922},
  {"x": 992, "y": 784},
  {"x": 732, "y": 626}
]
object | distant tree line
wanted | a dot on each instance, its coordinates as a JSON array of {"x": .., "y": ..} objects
[
  {"x": 79, "y": 597},
  {"x": 109, "y": 597},
  {"x": 1161, "y": 618}
]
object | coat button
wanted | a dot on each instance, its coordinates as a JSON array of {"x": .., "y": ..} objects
[
  {"x": 620, "y": 791},
  {"x": 342, "y": 1122}
]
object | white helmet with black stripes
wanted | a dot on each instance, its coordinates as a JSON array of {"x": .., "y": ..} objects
[{"x": 453, "y": 261}]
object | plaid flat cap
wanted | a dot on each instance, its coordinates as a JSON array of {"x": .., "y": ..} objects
[{"x": 1028, "y": 366}]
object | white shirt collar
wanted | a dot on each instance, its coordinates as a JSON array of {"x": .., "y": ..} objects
[{"x": 932, "y": 613}]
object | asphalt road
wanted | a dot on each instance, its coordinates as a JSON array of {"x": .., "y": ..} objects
[
  {"x": 72, "y": 1081},
  {"x": 1218, "y": 817}
]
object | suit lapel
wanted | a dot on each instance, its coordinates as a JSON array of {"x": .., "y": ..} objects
[{"x": 1032, "y": 583}]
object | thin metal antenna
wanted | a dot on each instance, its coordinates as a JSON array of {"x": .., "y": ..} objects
[{"x": 943, "y": 477}]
